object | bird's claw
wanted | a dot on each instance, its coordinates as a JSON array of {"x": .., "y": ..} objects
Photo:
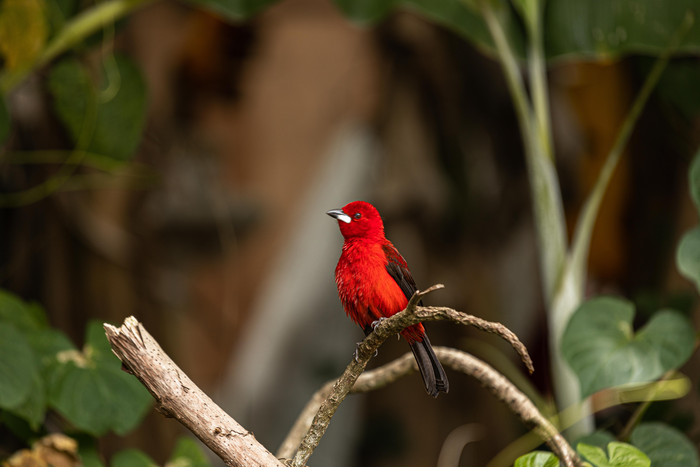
[
  {"x": 376, "y": 323},
  {"x": 356, "y": 353}
]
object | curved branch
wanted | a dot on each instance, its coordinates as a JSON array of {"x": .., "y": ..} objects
[
  {"x": 178, "y": 397},
  {"x": 454, "y": 359},
  {"x": 385, "y": 329}
]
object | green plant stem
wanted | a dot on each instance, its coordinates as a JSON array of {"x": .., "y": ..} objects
[
  {"x": 569, "y": 293},
  {"x": 544, "y": 183},
  {"x": 72, "y": 33},
  {"x": 538, "y": 78},
  {"x": 510, "y": 69}
]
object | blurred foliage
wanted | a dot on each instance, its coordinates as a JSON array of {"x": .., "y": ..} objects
[
  {"x": 602, "y": 348},
  {"x": 42, "y": 370},
  {"x": 652, "y": 444},
  {"x": 233, "y": 9},
  {"x": 688, "y": 253},
  {"x": 23, "y": 32},
  {"x": 120, "y": 116},
  {"x": 665, "y": 445},
  {"x": 603, "y": 29}
]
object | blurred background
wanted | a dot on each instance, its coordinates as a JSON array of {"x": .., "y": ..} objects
[{"x": 212, "y": 231}]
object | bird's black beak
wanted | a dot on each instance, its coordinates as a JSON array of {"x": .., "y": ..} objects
[{"x": 340, "y": 215}]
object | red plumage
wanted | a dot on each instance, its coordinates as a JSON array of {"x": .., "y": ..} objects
[{"x": 374, "y": 281}]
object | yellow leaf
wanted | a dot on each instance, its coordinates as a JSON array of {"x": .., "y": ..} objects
[{"x": 23, "y": 32}]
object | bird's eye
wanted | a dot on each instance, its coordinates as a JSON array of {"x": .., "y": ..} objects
[{"x": 357, "y": 215}]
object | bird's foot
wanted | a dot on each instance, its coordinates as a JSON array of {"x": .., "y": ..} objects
[
  {"x": 356, "y": 353},
  {"x": 376, "y": 323}
]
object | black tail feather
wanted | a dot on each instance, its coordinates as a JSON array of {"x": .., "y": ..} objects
[{"x": 434, "y": 377}]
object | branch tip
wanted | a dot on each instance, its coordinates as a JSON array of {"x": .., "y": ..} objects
[{"x": 418, "y": 296}]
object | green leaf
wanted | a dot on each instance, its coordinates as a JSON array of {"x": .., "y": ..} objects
[
  {"x": 688, "y": 256},
  {"x": 187, "y": 453},
  {"x": 47, "y": 344},
  {"x": 90, "y": 457},
  {"x": 468, "y": 23},
  {"x": 132, "y": 458},
  {"x": 116, "y": 131},
  {"x": 593, "y": 454},
  {"x": 92, "y": 391},
  {"x": 233, "y": 9},
  {"x": 97, "y": 400},
  {"x": 17, "y": 367},
  {"x": 537, "y": 459},
  {"x": 98, "y": 347},
  {"x": 619, "y": 455},
  {"x": 694, "y": 180},
  {"x": 17, "y": 426},
  {"x": 365, "y": 11},
  {"x": 23, "y": 32},
  {"x": 599, "y": 438},
  {"x": 607, "y": 29},
  {"x": 603, "y": 350},
  {"x": 665, "y": 445},
  {"x": 24, "y": 316},
  {"x": 33, "y": 409}
]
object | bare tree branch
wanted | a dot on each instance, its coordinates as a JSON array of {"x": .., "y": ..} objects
[
  {"x": 457, "y": 360},
  {"x": 178, "y": 397},
  {"x": 385, "y": 329}
]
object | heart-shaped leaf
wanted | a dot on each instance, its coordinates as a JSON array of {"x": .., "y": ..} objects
[
  {"x": 92, "y": 392},
  {"x": 118, "y": 120},
  {"x": 665, "y": 445},
  {"x": 17, "y": 367},
  {"x": 537, "y": 459},
  {"x": 619, "y": 455},
  {"x": 603, "y": 350}
]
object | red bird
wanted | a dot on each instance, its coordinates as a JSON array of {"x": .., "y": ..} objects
[{"x": 374, "y": 282}]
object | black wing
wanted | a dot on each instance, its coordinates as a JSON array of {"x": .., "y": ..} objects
[{"x": 398, "y": 270}]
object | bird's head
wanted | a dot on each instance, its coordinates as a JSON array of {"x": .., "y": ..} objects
[{"x": 359, "y": 220}]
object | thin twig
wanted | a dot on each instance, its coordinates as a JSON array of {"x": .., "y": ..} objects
[
  {"x": 385, "y": 329},
  {"x": 457, "y": 360},
  {"x": 368, "y": 381}
]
